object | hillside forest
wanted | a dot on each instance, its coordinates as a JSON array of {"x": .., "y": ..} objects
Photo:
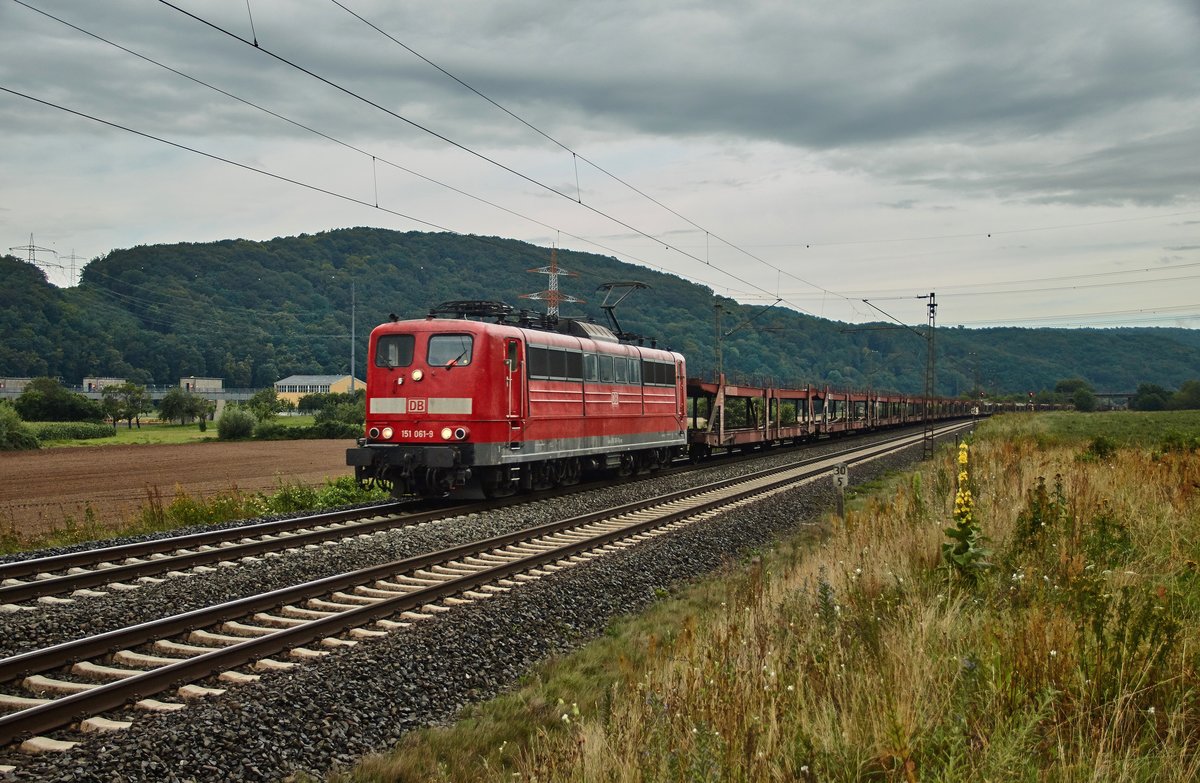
[{"x": 254, "y": 312}]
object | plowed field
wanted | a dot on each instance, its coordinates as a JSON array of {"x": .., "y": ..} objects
[{"x": 40, "y": 489}]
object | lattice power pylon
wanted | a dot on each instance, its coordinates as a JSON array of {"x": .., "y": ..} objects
[
  {"x": 552, "y": 296},
  {"x": 31, "y": 250}
]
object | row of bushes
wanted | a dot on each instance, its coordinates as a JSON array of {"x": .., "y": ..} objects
[
  {"x": 336, "y": 422},
  {"x": 17, "y": 435},
  {"x": 74, "y": 430}
]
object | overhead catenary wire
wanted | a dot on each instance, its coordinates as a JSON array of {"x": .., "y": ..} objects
[
  {"x": 458, "y": 145},
  {"x": 373, "y": 156},
  {"x": 577, "y": 156},
  {"x": 792, "y": 301}
]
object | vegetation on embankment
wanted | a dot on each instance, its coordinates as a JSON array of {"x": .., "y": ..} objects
[
  {"x": 184, "y": 510},
  {"x": 1069, "y": 653}
]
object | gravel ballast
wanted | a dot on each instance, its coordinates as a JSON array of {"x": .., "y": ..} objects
[{"x": 364, "y": 698}]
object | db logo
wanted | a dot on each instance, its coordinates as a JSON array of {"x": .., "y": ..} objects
[
  {"x": 416, "y": 406},
  {"x": 616, "y": 399}
]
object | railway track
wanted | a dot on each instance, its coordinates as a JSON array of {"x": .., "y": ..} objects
[
  {"x": 209, "y": 649},
  {"x": 97, "y": 571}
]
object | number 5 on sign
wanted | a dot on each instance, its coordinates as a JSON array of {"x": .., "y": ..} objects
[{"x": 841, "y": 475}]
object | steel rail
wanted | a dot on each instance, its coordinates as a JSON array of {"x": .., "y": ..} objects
[
  {"x": 22, "y": 664},
  {"x": 67, "y": 709},
  {"x": 111, "y": 572},
  {"x": 117, "y": 572},
  {"x": 19, "y": 568}
]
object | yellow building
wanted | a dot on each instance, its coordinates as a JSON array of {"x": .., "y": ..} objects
[{"x": 294, "y": 387}]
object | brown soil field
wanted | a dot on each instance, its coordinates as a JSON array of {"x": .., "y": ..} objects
[{"x": 40, "y": 489}]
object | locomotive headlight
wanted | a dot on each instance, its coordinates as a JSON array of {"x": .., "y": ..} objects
[
  {"x": 447, "y": 433},
  {"x": 373, "y": 433},
  {"x": 417, "y": 375},
  {"x": 461, "y": 433},
  {"x": 387, "y": 433}
]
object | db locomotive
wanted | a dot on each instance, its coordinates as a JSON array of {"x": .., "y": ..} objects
[{"x": 474, "y": 399}]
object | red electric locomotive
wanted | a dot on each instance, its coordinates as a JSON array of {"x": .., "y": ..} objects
[{"x": 456, "y": 405}]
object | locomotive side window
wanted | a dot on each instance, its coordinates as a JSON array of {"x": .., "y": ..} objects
[
  {"x": 394, "y": 350},
  {"x": 635, "y": 371},
  {"x": 574, "y": 366},
  {"x": 606, "y": 368},
  {"x": 658, "y": 374},
  {"x": 620, "y": 369},
  {"x": 558, "y": 364},
  {"x": 538, "y": 360},
  {"x": 555, "y": 364},
  {"x": 450, "y": 350},
  {"x": 591, "y": 367}
]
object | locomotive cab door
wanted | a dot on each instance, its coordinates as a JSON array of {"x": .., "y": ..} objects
[{"x": 514, "y": 379}]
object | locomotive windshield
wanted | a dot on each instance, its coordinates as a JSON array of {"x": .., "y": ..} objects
[
  {"x": 449, "y": 350},
  {"x": 394, "y": 350}
]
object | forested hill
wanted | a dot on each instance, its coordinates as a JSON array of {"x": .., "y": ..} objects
[{"x": 253, "y": 312}]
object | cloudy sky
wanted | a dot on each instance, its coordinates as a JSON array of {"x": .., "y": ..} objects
[{"x": 1033, "y": 163}]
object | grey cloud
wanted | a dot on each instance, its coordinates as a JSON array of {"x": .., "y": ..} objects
[{"x": 879, "y": 88}]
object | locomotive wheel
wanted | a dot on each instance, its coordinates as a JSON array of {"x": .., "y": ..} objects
[
  {"x": 628, "y": 465},
  {"x": 570, "y": 472},
  {"x": 497, "y": 483},
  {"x": 545, "y": 475}
]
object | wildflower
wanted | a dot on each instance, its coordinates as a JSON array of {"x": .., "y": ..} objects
[
  {"x": 791, "y": 688},
  {"x": 1054, "y": 653}
]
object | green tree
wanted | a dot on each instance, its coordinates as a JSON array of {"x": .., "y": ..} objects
[
  {"x": 126, "y": 402},
  {"x": 44, "y": 399},
  {"x": 182, "y": 406},
  {"x": 14, "y": 434},
  {"x": 1188, "y": 396},
  {"x": 1085, "y": 400},
  {"x": 1150, "y": 397},
  {"x": 266, "y": 403},
  {"x": 235, "y": 423}
]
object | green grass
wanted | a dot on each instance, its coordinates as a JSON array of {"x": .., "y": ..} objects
[
  {"x": 158, "y": 433},
  {"x": 1128, "y": 428}
]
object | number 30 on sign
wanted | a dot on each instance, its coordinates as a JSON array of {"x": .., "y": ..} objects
[{"x": 841, "y": 475}]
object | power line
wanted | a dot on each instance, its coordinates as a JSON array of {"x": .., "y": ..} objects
[
  {"x": 374, "y": 156},
  {"x": 455, "y": 144},
  {"x": 579, "y": 156},
  {"x": 1179, "y": 309}
]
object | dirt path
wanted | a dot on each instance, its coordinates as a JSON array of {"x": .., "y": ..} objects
[{"x": 40, "y": 489}]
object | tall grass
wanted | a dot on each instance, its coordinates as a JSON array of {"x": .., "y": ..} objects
[{"x": 1072, "y": 656}]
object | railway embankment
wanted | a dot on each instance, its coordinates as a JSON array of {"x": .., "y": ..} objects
[
  {"x": 365, "y": 697},
  {"x": 1071, "y": 646}
]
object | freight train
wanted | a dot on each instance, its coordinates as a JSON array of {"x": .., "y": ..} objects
[{"x": 477, "y": 399}]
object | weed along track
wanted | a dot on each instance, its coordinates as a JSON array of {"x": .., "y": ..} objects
[{"x": 56, "y": 695}]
